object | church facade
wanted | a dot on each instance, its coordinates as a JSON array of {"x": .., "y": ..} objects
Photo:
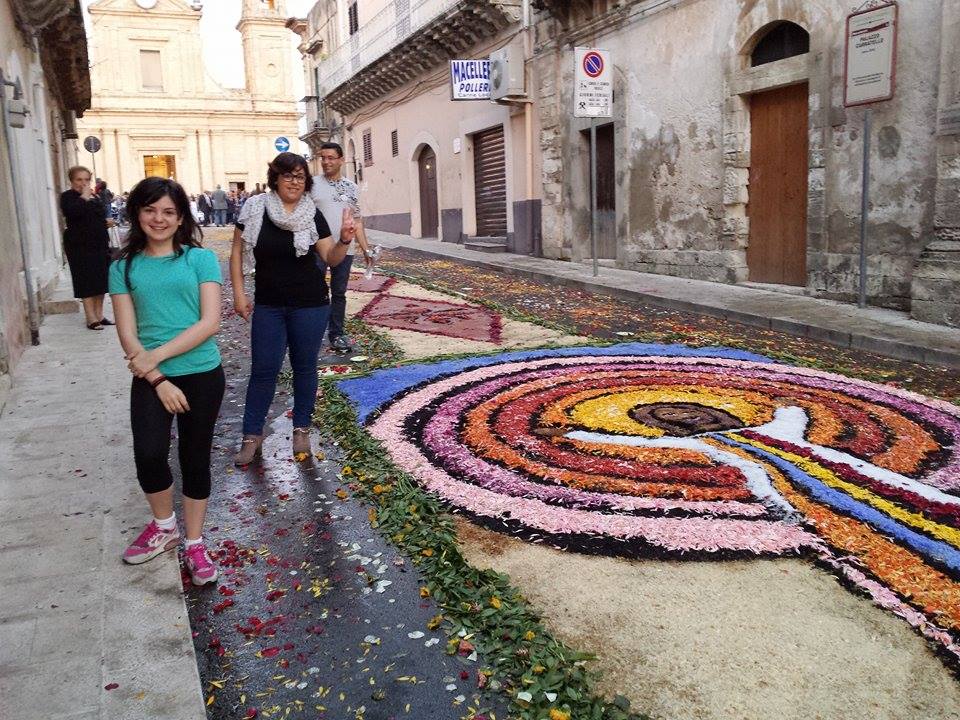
[{"x": 156, "y": 111}]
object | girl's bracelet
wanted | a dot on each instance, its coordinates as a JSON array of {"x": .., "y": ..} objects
[{"x": 157, "y": 381}]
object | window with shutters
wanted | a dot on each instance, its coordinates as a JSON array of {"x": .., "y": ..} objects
[
  {"x": 367, "y": 149},
  {"x": 394, "y": 143},
  {"x": 353, "y": 18},
  {"x": 151, "y": 77},
  {"x": 316, "y": 80}
]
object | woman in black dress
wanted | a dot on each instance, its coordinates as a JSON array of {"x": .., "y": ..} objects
[{"x": 87, "y": 245}]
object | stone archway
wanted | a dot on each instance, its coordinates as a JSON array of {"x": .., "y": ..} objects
[{"x": 744, "y": 80}]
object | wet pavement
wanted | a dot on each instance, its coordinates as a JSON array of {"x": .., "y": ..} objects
[{"x": 315, "y": 615}]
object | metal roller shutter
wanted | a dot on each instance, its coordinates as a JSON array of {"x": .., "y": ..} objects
[{"x": 490, "y": 182}]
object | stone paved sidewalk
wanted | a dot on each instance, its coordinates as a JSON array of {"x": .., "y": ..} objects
[{"x": 75, "y": 621}]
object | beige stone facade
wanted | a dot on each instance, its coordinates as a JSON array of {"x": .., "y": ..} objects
[
  {"x": 383, "y": 92},
  {"x": 686, "y": 155},
  {"x": 158, "y": 112}
]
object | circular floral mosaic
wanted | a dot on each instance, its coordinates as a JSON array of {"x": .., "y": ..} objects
[{"x": 664, "y": 451}]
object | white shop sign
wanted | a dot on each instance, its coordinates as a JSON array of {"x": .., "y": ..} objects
[
  {"x": 470, "y": 79},
  {"x": 593, "y": 83},
  {"x": 871, "y": 55}
]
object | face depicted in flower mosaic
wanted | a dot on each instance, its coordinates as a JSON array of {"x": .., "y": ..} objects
[{"x": 646, "y": 450}]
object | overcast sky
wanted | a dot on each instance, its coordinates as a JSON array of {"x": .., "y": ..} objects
[{"x": 221, "y": 41}]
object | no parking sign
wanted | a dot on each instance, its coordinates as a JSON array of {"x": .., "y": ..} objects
[{"x": 593, "y": 83}]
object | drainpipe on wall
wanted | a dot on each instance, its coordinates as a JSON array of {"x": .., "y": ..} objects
[
  {"x": 528, "y": 122},
  {"x": 32, "y": 308}
]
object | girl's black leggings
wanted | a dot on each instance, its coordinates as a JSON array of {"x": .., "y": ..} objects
[{"x": 151, "y": 432}]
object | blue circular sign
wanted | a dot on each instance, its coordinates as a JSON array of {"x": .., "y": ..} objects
[
  {"x": 281, "y": 144},
  {"x": 593, "y": 64}
]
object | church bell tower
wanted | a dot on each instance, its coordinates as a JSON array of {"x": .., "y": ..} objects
[{"x": 266, "y": 50}]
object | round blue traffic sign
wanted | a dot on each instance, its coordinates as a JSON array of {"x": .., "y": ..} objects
[
  {"x": 593, "y": 64},
  {"x": 281, "y": 144}
]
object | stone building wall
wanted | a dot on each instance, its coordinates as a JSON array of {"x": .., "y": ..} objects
[{"x": 683, "y": 83}]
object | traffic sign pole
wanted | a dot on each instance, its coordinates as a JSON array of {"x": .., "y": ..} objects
[
  {"x": 593, "y": 195},
  {"x": 864, "y": 208}
]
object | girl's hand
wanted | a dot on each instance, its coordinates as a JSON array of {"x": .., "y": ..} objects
[
  {"x": 172, "y": 398},
  {"x": 348, "y": 230},
  {"x": 143, "y": 362},
  {"x": 242, "y": 306}
]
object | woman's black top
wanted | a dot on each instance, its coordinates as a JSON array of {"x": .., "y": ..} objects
[
  {"x": 283, "y": 279},
  {"x": 86, "y": 243}
]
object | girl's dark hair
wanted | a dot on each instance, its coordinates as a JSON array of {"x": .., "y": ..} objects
[
  {"x": 144, "y": 193},
  {"x": 287, "y": 162}
]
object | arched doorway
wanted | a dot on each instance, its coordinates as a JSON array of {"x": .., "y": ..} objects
[
  {"x": 429, "y": 207},
  {"x": 777, "y": 207}
]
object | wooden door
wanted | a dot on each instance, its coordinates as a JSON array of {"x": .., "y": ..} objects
[
  {"x": 429, "y": 215},
  {"x": 777, "y": 252},
  {"x": 606, "y": 194},
  {"x": 490, "y": 182}
]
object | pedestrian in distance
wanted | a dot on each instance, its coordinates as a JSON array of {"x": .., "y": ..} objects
[
  {"x": 219, "y": 202},
  {"x": 166, "y": 294},
  {"x": 335, "y": 196},
  {"x": 205, "y": 207},
  {"x": 287, "y": 239},
  {"x": 86, "y": 243},
  {"x": 231, "y": 207}
]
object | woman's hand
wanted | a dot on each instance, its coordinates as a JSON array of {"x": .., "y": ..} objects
[
  {"x": 348, "y": 228},
  {"x": 172, "y": 398},
  {"x": 242, "y": 305},
  {"x": 143, "y": 362},
  {"x": 87, "y": 193}
]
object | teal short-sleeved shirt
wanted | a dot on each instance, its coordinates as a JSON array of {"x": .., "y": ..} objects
[{"x": 166, "y": 297}]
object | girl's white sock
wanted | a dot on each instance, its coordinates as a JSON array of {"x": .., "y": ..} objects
[
  {"x": 190, "y": 543},
  {"x": 169, "y": 524}
]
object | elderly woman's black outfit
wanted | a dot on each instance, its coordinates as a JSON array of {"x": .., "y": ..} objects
[{"x": 86, "y": 243}]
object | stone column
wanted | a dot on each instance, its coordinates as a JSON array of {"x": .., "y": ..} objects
[{"x": 935, "y": 287}]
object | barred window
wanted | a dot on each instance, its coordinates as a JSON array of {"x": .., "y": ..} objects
[
  {"x": 353, "y": 18},
  {"x": 367, "y": 149},
  {"x": 394, "y": 143}
]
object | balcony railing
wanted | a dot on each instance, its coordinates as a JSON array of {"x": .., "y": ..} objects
[{"x": 384, "y": 31}]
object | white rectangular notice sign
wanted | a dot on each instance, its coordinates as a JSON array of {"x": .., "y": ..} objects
[
  {"x": 593, "y": 83},
  {"x": 470, "y": 79},
  {"x": 871, "y": 55}
]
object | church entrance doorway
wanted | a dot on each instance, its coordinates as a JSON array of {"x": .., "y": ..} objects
[{"x": 164, "y": 166}]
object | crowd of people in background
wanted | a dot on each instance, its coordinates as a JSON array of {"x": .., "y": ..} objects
[{"x": 219, "y": 207}]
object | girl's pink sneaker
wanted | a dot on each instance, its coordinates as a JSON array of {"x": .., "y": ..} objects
[
  {"x": 151, "y": 542},
  {"x": 199, "y": 565}
]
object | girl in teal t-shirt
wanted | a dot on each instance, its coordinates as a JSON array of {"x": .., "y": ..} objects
[{"x": 166, "y": 298}]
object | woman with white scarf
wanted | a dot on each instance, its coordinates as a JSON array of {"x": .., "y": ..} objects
[{"x": 284, "y": 235}]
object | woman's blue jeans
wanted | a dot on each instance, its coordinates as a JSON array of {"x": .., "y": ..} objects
[{"x": 273, "y": 330}]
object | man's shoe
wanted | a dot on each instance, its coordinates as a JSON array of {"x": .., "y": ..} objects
[
  {"x": 199, "y": 564},
  {"x": 341, "y": 344},
  {"x": 250, "y": 449},
  {"x": 151, "y": 542}
]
